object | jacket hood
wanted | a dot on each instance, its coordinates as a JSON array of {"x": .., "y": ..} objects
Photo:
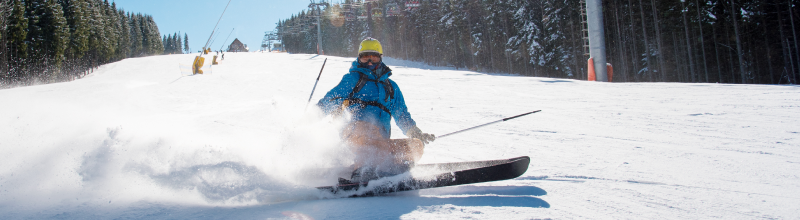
[{"x": 381, "y": 73}]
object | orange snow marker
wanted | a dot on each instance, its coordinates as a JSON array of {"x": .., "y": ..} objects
[{"x": 592, "y": 76}]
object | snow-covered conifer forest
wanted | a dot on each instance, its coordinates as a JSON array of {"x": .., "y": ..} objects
[
  {"x": 44, "y": 41},
  {"x": 724, "y": 41}
]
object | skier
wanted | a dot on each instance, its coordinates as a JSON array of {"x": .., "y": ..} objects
[{"x": 373, "y": 99}]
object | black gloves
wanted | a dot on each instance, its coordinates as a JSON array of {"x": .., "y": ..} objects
[{"x": 426, "y": 138}]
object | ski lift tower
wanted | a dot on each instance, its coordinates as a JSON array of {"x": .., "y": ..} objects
[
  {"x": 269, "y": 37},
  {"x": 274, "y": 37},
  {"x": 597, "y": 41},
  {"x": 264, "y": 42},
  {"x": 317, "y": 8}
]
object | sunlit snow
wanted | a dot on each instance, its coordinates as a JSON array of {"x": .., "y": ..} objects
[{"x": 137, "y": 139}]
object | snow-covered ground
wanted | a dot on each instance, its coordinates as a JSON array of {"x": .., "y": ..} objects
[{"x": 135, "y": 139}]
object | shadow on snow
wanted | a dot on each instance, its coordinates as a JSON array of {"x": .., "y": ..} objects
[{"x": 383, "y": 207}]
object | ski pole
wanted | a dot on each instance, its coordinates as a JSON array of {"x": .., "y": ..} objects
[
  {"x": 315, "y": 83},
  {"x": 501, "y": 120}
]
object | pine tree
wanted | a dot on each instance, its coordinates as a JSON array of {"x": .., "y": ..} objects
[
  {"x": 5, "y": 10},
  {"x": 541, "y": 22},
  {"x": 166, "y": 43},
  {"x": 123, "y": 43},
  {"x": 186, "y": 42},
  {"x": 136, "y": 35},
  {"x": 74, "y": 12},
  {"x": 111, "y": 29},
  {"x": 169, "y": 44},
  {"x": 48, "y": 37},
  {"x": 33, "y": 10},
  {"x": 146, "y": 36},
  {"x": 178, "y": 46},
  {"x": 171, "y": 38},
  {"x": 97, "y": 39},
  {"x": 57, "y": 34},
  {"x": 17, "y": 47},
  {"x": 154, "y": 43}
]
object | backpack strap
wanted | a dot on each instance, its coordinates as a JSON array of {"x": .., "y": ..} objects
[
  {"x": 389, "y": 89},
  {"x": 372, "y": 103},
  {"x": 362, "y": 80}
]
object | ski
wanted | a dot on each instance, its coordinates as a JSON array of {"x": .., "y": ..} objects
[{"x": 426, "y": 176}]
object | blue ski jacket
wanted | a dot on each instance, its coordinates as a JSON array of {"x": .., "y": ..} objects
[{"x": 373, "y": 102}]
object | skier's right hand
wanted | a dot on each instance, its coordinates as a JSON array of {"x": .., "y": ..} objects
[{"x": 415, "y": 132}]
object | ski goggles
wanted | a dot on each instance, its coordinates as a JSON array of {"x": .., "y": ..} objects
[{"x": 369, "y": 57}]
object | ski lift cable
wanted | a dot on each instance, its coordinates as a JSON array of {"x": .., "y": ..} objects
[
  {"x": 215, "y": 26},
  {"x": 214, "y": 39},
  {"x": 226, "y": 39}
]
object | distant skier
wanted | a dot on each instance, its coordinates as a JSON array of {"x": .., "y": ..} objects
[
  {"x": 373, "y": 99},
  {"x": 223, "y": 56}
]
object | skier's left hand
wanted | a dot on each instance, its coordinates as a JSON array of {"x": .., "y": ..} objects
[{"x": 415, "y": 132}]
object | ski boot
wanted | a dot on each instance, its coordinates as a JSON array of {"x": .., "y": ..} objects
[{"x": 364, "y": 174}]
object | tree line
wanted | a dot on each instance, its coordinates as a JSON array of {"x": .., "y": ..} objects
[
  {"x": 44, "y": 41},
  {"x": 174, "y": 45},
  {"x": 724, "y": 41}
]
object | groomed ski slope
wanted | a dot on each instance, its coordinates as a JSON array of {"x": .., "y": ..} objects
[{"x": 135, "y": 140}]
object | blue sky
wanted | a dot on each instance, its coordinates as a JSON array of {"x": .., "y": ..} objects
[{"x": 250, "y": 18}]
